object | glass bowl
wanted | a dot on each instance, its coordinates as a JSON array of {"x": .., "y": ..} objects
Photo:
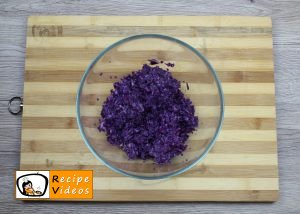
[{"x": 199, "y": 82}]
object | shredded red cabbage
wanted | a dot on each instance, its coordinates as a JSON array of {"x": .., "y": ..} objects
[{"x": 147, "y": 115}]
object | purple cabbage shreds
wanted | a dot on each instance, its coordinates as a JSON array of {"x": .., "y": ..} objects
[
  {"x": 169, "y": 64},
  {"x": 153, "y": 61},
  {"x": 147, "y": 116}
]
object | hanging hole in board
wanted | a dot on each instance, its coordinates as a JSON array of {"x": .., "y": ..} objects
[{"x": 15, "y": 105}]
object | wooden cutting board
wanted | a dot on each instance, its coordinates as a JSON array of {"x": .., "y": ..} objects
[{"x": 242, "y": 166}]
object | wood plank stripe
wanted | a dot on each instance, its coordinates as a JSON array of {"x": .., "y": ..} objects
[
  {"x": 201, "y": 111},
  {"x": 89, "y": 159},
  {"x": 241, "y": 111},
  {"x": 189, "y": 195},
  {"x": 246, "y": 147},
  {"x": 249, "y": 123},
  {"x": 53, "y": 76},
  {"x": 109, "y": 183},
  {"x": 203, "y": 100},
  {"x": 190, "y": 77},
  {"x": 221, "y": 147},
  {"x": 225, "y": 135},
  {"x": 127, "y": 67},
  {"x": 70, "y": 123},
  {"x": 203, "y": 21},
  {"x": 104, "y": 88},
  {"x": 212, "y": 171},
  {"x": 246, "y": 135},
  {"x": 102, "y": 42},
  {"x": 116, "y": 31},
  {"x": 91, "y": 53}
]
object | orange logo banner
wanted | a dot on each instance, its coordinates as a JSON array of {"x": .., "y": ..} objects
[{"x": 71, "y": 184}]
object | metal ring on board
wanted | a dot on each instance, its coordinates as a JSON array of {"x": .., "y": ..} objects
[{"x": 20, "y": 99}]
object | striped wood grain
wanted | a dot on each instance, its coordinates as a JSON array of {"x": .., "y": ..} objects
[{"x": 242, "y": 166}]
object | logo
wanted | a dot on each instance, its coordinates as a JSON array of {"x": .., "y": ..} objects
[
  {"x": 49, "y": 30},
  {"x": 54, "y": 184},
  {"x": 32, "y": 184}
]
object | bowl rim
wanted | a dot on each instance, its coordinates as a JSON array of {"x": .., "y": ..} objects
[{"x": 165, "y": 37}]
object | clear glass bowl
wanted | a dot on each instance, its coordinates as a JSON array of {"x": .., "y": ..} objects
[{"x": 127, "y": 55}]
